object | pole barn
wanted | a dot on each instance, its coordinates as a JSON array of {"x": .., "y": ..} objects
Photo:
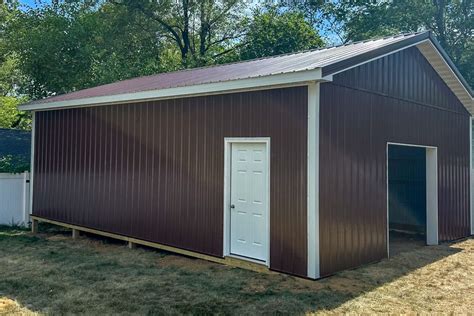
[{"x": 303, "y": 163}]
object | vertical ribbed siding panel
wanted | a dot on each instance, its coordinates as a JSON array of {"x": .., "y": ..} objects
[
  {"x": 360, "y": 112},
  {"x": 155, "y": 170}
]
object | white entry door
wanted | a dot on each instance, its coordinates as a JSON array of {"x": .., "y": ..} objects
[{"x": 249, "y": 201}]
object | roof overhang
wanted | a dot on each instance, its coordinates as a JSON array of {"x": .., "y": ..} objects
[
  {"x": 248, "y": 84},
  {"x": 448, "y": 72}
]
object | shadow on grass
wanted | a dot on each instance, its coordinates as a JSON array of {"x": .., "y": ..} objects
[{"x": 53, "y": 274}]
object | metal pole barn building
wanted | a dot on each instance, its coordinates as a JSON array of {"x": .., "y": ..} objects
[{"x": 299, "y": 163}]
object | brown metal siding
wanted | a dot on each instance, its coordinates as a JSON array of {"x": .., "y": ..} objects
[
  {"x": 395, "y": 99},
  {"x": 154, "y": 170}
]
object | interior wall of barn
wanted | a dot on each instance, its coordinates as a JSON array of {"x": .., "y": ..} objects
[
  {"x": 401, "y": 99},
  {"x": 155, "y": 170},
  {"x": 407, "y": 188}
]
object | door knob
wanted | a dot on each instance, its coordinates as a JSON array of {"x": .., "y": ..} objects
[{"x": 232, "y": 206}]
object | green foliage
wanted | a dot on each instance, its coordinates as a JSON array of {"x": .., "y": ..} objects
[
  {"x": 10, "y": 75},
  {"x": 272, "y": 33},
  {"x": 13, "y": 164},
  {"x": 63, "y": 46},
  {"x": 10, "y": 116},
  {"x": 51, "y": 51},
  {"x": 452, "y": 21},
  {"x": 123, "y": 45},
  {"x": 70, "y": 46},
  {"x": 200, "y": 31}
]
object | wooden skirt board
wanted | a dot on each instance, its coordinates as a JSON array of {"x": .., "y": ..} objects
[{"x": 234, "y": 262}]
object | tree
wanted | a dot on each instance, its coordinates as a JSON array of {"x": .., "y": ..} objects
[
  {"x": 65, "y": 47},
  {"x": 452, "y": 22},
  {"x": 10, "y": 117},
  {"x": 10, "y": 76},
  {"x": 202, "y": 31},
  {"x": 272, "y": 33},
  {"x": 124, "y": 44}
]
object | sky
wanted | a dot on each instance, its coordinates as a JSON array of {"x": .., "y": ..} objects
[{"x": 33, "y": 3}]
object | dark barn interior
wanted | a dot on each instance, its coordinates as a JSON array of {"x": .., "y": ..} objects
[{"x": 406, "y": 194}]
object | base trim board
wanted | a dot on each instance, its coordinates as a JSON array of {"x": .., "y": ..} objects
[{"x": 233, "y": 262}]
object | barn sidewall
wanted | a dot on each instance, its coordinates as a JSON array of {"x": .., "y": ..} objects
[
  {"x": 398, "y": 98},
  {"x": 155, "y": 170}
]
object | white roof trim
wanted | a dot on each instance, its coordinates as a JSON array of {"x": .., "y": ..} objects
[
  {"x": 378, "y": 57},
  {"x": 258, "y": 83},
  {"x": 439, "y": 63}
]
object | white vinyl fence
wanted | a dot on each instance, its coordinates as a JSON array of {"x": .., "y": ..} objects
[{"x": 14, "y": 198}]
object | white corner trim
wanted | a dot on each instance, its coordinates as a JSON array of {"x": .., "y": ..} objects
[
  {"x": 313, "y": 181},
  {"x": 32, "y": 160},
  {"x": 471, "y": 180},
  {"x": 228, "y": 141},
  {"x": 258, "y": 83}
]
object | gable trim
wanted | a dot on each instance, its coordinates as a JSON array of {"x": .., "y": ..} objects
[{"x": 369, "y": 56}]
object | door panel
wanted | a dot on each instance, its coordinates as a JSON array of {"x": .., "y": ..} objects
[{"x": 248, "y": 219}]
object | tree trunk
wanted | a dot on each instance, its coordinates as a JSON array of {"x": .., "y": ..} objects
[
  {"x": 440, "y": 7},
  {"x": 185, "y": 34}
]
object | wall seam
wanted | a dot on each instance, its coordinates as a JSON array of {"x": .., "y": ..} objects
[{"x": 400, "y": 99}]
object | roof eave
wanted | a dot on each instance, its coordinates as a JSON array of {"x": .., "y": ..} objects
[
  {"x": 256, "y": 83},
  {"x": 451, "y": 64}
]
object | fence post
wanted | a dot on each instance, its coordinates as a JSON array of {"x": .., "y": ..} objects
[{"x": 34, "y": 226}]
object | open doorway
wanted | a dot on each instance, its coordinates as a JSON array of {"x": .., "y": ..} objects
[{"x": 412, "y": 192}]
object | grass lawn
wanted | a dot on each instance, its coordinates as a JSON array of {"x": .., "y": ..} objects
[{"x": 52, "y": 274}]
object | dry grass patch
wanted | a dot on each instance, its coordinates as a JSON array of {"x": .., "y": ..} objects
[
  {"x": 442, "y": 286},
  {"x": 53, "y": 274},
  {"x": 11, "y": 307}
]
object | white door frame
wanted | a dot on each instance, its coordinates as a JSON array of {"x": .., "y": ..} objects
[
  {"x": 431, "y": 193},
  {"x": 228, "y": 141}
]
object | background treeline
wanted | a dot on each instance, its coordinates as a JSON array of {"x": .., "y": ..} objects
[{"x": 62, "y": 46}]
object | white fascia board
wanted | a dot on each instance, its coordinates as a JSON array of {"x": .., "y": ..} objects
[{"x": 259, "y": 83}]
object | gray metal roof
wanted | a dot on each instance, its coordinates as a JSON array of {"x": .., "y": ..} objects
[{"x": 330, "y": 60}]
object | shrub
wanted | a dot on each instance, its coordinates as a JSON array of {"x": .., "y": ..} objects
[{"x": 14, "y": 164}]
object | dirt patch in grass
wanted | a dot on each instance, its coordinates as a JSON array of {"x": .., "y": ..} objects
[
  {"x": 182, "y": 262},
  {"x": 51, "y": 273},
  {"x": 11, "y": 307}
]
